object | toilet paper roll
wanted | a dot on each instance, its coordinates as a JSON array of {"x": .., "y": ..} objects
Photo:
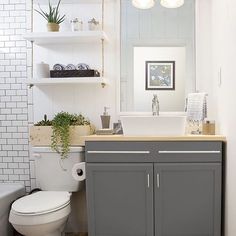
[
  {"x": 78, "y": 171},
  {"x": 42, "y": 70}
]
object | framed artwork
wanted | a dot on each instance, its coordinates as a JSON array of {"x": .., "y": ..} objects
[{"x": 160, "y": 75}]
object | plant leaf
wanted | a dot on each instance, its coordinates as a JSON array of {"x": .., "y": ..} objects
[
  {"x": 58, "y": 4},
  {"x": 42, "y": 14},
  {"x": 61, "y": 19},
  {"x": 41, "y": 9}
]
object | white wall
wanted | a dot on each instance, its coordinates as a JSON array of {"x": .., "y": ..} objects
[
  {"x": 224, "y": 52},
  {"x": 142, "y": 97},
  {"x": 216, "y": 51},
  {"x": 204, "y": 75}
]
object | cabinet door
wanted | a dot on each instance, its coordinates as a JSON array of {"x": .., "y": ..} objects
[
  {"x": 187, "y": 199},
  {"x": 120, "y": 199}
]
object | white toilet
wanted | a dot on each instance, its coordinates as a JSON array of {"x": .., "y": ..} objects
[{"x": 45, "y": 213}]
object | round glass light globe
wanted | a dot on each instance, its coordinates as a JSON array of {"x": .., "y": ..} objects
[
  {"x": 172, "y": 3},
  {"x": 143, "y": 4}
]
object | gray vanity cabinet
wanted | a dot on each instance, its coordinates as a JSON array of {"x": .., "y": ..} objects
[
  {"x": 120, "y": 199},
  {"x": 187, "y": 199},
  {"x": 154, "y": 188}
]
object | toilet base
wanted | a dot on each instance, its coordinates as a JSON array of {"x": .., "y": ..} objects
[
  {"x": 51, "y": 229},
  {"x": 48, "y": 224}
]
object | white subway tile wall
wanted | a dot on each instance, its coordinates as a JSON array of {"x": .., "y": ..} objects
[{"x": 15, "y": 65}]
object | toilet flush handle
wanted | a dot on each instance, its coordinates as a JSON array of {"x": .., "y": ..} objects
[{"x": 36, "y": 155}]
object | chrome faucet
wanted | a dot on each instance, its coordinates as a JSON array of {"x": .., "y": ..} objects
[{"x": 155, "y": 106}]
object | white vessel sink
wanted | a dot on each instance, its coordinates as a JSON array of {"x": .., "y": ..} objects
[{"x": 153, "y": 125}]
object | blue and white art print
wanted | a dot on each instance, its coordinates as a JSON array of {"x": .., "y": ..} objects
[{"x": 160, "y": 75}]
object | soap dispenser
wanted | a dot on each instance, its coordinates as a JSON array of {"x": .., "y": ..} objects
[{"x": 105, "y": 119}]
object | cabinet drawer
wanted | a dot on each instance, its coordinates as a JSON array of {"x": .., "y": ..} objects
[
  {"x": 105, "y": 151},
  {"x": 188, "y": 152},
  {"x": 194, "y": 151}
]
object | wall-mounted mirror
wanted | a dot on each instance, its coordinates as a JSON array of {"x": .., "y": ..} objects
[{"x": 157, "y": 56}]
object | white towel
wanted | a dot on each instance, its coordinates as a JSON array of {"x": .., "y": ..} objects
[
  {"x": 70, "y": 67},
  {"x": 58, "y": 67},
  {"x": 197, "y": 106}
]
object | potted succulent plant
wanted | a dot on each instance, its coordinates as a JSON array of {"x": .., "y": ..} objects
[
  {"x": 63, "y": 131},
  {"x": 52, "y": 16}
]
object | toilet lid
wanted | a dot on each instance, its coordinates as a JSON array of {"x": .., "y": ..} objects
[{"x": 40, "y": 202}]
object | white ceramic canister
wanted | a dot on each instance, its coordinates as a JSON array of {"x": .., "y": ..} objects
[
  {"x": 42, "y": 70},
  {"x": 93, "y": 25}
]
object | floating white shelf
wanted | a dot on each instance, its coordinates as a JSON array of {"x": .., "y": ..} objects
[
  {"x": 45, "y": 38},
  {"x": 67, "y": 81}
]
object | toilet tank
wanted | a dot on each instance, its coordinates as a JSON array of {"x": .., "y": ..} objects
[{"x": 54, "y": 173}]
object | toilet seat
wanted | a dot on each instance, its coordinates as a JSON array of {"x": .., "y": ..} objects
[
  {"x": 25, "y": 220},
  {"x": 41, "y": 203}
]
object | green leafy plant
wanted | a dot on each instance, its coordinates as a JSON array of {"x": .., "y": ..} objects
[
  {"x": 61, "y": 131},
  {"x": 44, "y": 122},
  {"x": 53, "y": 15}
]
